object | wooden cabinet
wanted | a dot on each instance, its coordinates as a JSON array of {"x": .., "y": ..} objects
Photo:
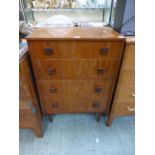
[
  {"x": 29, "y": 110},
  {"x": 124, "y": 98},
  {"x": 76, "y": 68}
]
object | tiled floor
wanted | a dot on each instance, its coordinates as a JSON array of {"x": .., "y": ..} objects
[{"x": 80, "y": 134}]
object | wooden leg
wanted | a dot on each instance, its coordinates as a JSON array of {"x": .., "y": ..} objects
[
  {"x": 38, "y": 132},
  {"x": 50, "y": 118},
  {"x": 99, "y": 115},
  {"x": 109, "y": 121}
]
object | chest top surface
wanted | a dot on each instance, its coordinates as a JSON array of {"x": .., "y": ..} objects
[
  {"x": 75, "y": 33},
  {"x": 130, "y": 40}
]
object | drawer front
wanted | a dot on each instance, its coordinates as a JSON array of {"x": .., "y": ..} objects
[
  {"x": 24, "y": 92},
  {"x": 127, "y": 78},
  {"x": 75, "y": 88},
  {"x": 125, "y": 94},
  {"x": 26, "y": 118},
  {"x": 124, "y": 108},
  {"x": 23, "y": 104},
  {"x": 95, "y": 104},
  {"x": 27, "y": 106},
  {"x": 51, "y": 89},
  {"x": 58, "y": 105},
  {"x": 79, "y": 69},
  {"x": 75, "y": 105},
  {"x": 75, "y": 49},
  {"x": 27, "y": 114}
]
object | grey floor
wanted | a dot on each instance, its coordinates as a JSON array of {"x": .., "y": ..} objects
[{"x": 80, "y": 134}]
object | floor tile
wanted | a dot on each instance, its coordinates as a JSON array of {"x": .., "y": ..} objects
[{"x": 80, "y": 134}]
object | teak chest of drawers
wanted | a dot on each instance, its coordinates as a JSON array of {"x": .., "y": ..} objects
[
  {"x": 29, "y": 109},
  {"x": 124, "y": 97},
  {"x": 75, "y": 68}
]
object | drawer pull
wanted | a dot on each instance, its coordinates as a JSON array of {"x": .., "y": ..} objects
[
  {"x": 48, "y": 50},
  {"x": 55, "y": 105},
  {"x": 53, "y": 89},
  {"x": 131, "y": 109},
  {"x": 133, "y": 94},
  {"x": 98, "y": 89},
  {"x": 104, "y": 51},
  {"x": 100, "y": 70},
  {"x": 51, "y": 71},
  {"x": 96, "y": 104}
]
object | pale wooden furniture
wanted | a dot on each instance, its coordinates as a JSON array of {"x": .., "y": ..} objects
[
  {"x": 75, "y": 68},
  {"x": 29, "y": 110},
  {"x": 124, "y": 98}
]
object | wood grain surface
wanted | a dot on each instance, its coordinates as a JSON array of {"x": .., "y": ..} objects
[{"x": 76, "y": 70}]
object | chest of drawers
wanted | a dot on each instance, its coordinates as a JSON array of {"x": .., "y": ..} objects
[
  {"x": 29, "y": 109},
  {"x": 124, "y": 98},
  {"x": 75, "y": 68}
]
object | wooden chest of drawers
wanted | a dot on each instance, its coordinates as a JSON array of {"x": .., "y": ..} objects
[
  {"x": 75, "y": 68},
  {"x": 29, "y": 110},
  {"x": 124, "y": 100}
]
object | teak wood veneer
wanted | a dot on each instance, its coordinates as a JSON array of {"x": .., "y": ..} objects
[
  {"x": 124, "y": 97},
  {"x": 29, "y": 109},
  {"x": 75, "y": 68}
]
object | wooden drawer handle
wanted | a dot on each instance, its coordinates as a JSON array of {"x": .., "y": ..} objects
[
  {"x": 131, "y": 109},
  {"x": 55, "y": 105},
  {"x": 51, "y": 71},
  {"x": 100, "y": 70},
  {"x": 104, "y": 51},
  {"x": 53, "y": 89},
  {"x": 98, "y": 89},
  {"x": 48, "y": 50},
  {"x": 96, "y": 104}
]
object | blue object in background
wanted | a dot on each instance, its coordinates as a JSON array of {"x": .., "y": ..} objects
[
  {"x": 128, "y": 25},
  {"x": 23, "y": 43}
]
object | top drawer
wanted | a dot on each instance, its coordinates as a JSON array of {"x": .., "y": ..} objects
[{"x": 75, "y": 49}]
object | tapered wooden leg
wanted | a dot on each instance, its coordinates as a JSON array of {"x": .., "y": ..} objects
[
  {"x": 99, "y": 115},
  {"x": 50, "y": 118},
  {"x": 38, "y": 132},
  {"x": 109, "y": 121}
]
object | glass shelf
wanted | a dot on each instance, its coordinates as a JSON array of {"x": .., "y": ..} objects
[
  {"x": 58, "y": 9},
  {"x": 39, "y": 11}
]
